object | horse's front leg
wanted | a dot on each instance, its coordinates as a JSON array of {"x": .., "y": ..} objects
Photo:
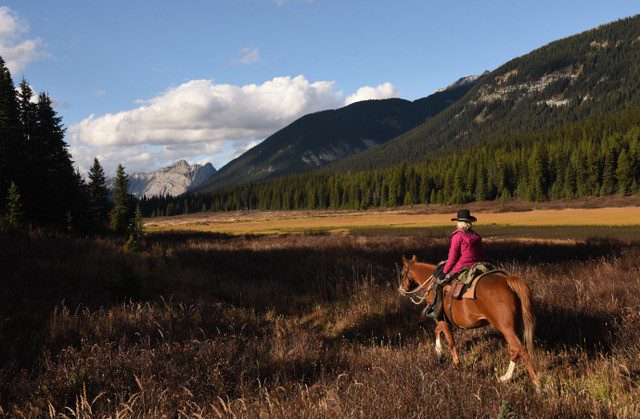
[
  {"x": 439, "y": 343},
  {"x": 446, "y": 329}
]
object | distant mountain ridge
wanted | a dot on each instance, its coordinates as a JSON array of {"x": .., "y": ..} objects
[
  {"x": 326, "y": 136},
  {"x": 569, "y": 80},
  {"x": 173, "y": 180}
]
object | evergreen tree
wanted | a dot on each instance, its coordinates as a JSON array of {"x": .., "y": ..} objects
[
  {"x": 122, "y": 210},
  {"x": 99, "y": 204},
  {"x": 32, "y": 179},
  {"x": 609, "y": 171},
  {"x": 623, "y": 172},
  {"x": 14, "y": 206},
  {"x": 10, "y": 143},
  {"x": 135, "y": 243},
  {"x": 58, "y": 189},
  {"x": 27, "y": 111}
]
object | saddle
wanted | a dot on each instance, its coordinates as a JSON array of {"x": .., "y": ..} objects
[{"x": 463, "y": 286}]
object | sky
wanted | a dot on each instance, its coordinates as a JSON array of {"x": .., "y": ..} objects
[{"x": 145, "y": 83}]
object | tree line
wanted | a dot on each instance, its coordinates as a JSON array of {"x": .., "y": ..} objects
[
  {"x": 599, "y": 156},
  {"x": 38, "y": 183}
]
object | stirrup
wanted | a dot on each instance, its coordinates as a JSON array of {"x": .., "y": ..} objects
[
  {"x": 428, "y": 311},
  {"x": 433, "y": 310}
]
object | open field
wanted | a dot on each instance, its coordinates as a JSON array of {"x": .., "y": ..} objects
[
  {"x": 204, "y": 324},
  {"x": 571, "y": 223}
]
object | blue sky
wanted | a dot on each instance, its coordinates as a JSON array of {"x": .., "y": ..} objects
[{"x": 166, "y": 80}]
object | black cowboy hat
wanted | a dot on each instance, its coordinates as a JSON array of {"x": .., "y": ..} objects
[{"x": 465, "y": 215}]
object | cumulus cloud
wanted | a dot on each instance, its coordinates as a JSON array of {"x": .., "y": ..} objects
[
  {"x": 382, "y": 91},
  {"x": 14, "y": 48},
  {"x": 248, "y": 56},
  {"x": 198, "y": 120},
  {"x": 202, "y": 110},
  {"x": 202, "y": 120}
]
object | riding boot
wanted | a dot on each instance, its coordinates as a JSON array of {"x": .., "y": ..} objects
[{"x": 434, "y": 309}]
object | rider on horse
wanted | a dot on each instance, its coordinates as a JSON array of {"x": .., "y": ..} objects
[{"x": 465, "y": 251}]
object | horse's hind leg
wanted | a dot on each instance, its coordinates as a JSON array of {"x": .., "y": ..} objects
[
  {"x": 516, "y": 350},
  {"x": 446, "y": 329}
]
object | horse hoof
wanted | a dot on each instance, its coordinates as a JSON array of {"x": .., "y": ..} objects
[
  {"x": 441, "y": 359},
  {"x": 536, "y": 383}
]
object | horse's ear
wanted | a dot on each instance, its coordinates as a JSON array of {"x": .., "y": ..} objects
[
  {"x": 414, "y": 258},
  {"x": 404, "y": 260}
]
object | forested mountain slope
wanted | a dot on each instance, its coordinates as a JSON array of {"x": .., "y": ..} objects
[
  {"x": 578, "y": 77},
  {"x": 322, "y": 137}
]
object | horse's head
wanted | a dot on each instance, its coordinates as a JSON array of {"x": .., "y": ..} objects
[{"x": 407, "y": 278}]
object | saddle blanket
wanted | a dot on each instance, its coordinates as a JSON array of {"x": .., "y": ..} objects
[{"x": 464, "y": 287}]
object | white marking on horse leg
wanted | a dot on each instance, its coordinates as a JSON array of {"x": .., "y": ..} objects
[
  {"x": 507, "y": 376},
  {"x": 438, "y": 347}
]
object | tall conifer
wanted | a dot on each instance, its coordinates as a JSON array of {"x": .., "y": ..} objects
[
  {"x": 122, "y": 210},
  {"x": 14, "y": 206},
  {"x": 98, "y": 197}
]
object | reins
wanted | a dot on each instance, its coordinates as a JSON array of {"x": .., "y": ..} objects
[{"x": 424, "y": 296}]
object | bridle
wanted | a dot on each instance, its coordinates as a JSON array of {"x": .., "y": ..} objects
[{"x": 420, "y": 298}]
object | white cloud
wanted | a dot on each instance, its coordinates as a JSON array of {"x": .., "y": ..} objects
[
  {"x": 202, "y": 121},
  {"x": 99, "y": 92},
  {"x": 198, "y": 120},
  {"x": 14, "y": 49},
  {"x": 382, "y": 91},
  {"x": 201, "y": 110},
  {"x": 248, "y": 56}
]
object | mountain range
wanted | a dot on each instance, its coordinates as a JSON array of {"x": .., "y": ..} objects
[
  {"x": 572, "y": 101},
  {"x": 173, "y": 180},
  {"x": 320, "y": 138}
]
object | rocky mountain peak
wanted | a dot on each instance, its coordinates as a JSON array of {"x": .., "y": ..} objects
[{"x": 173, "y": 180}]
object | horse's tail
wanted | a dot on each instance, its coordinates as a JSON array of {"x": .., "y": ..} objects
[{"x": 523, "y": 292}]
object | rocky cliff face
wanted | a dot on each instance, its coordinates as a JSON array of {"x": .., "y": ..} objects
[{"x": 174, "y": 180}]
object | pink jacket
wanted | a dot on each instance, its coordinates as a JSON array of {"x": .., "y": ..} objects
[{"x": 465, "y": 250}]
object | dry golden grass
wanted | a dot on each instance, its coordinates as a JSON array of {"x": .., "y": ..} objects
[
  {"x": 283, "y": 222},
  {"x": 208, "y": 325}
]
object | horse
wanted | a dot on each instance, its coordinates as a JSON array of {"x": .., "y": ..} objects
[{"x": 502, "y": 301}]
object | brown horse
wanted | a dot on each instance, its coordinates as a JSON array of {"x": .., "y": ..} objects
[{"x": 502, "y": 301}]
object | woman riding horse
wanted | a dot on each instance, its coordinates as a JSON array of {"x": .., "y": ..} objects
[
  {"x": 501, "y": 300},
  {"x": 465, "y": 251}
]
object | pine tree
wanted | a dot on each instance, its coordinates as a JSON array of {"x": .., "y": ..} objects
[
  {"x": 58, "y": 189},
  {"x": 10, "y": 141},
  {"x": 27, "y": 111},
  {"x": 32, "y": 179},
  {"x": 623, "y": 172},
  {"x": 135, "y": 243},
  {"x": 609, "y": 172},
  {"x": 538, "y": 173},
  {"x": 122, "y": 210},
  {"x": 98, "y": 197},
  {"x": 14, "y": 206}
]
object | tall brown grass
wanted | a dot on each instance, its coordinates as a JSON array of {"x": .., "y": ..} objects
[{"x": 306, "y": 325}]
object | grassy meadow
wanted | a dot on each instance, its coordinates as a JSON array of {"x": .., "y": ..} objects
[
  {"x": 561, "y": 221},
  {"x": 205, "y": 324}
]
